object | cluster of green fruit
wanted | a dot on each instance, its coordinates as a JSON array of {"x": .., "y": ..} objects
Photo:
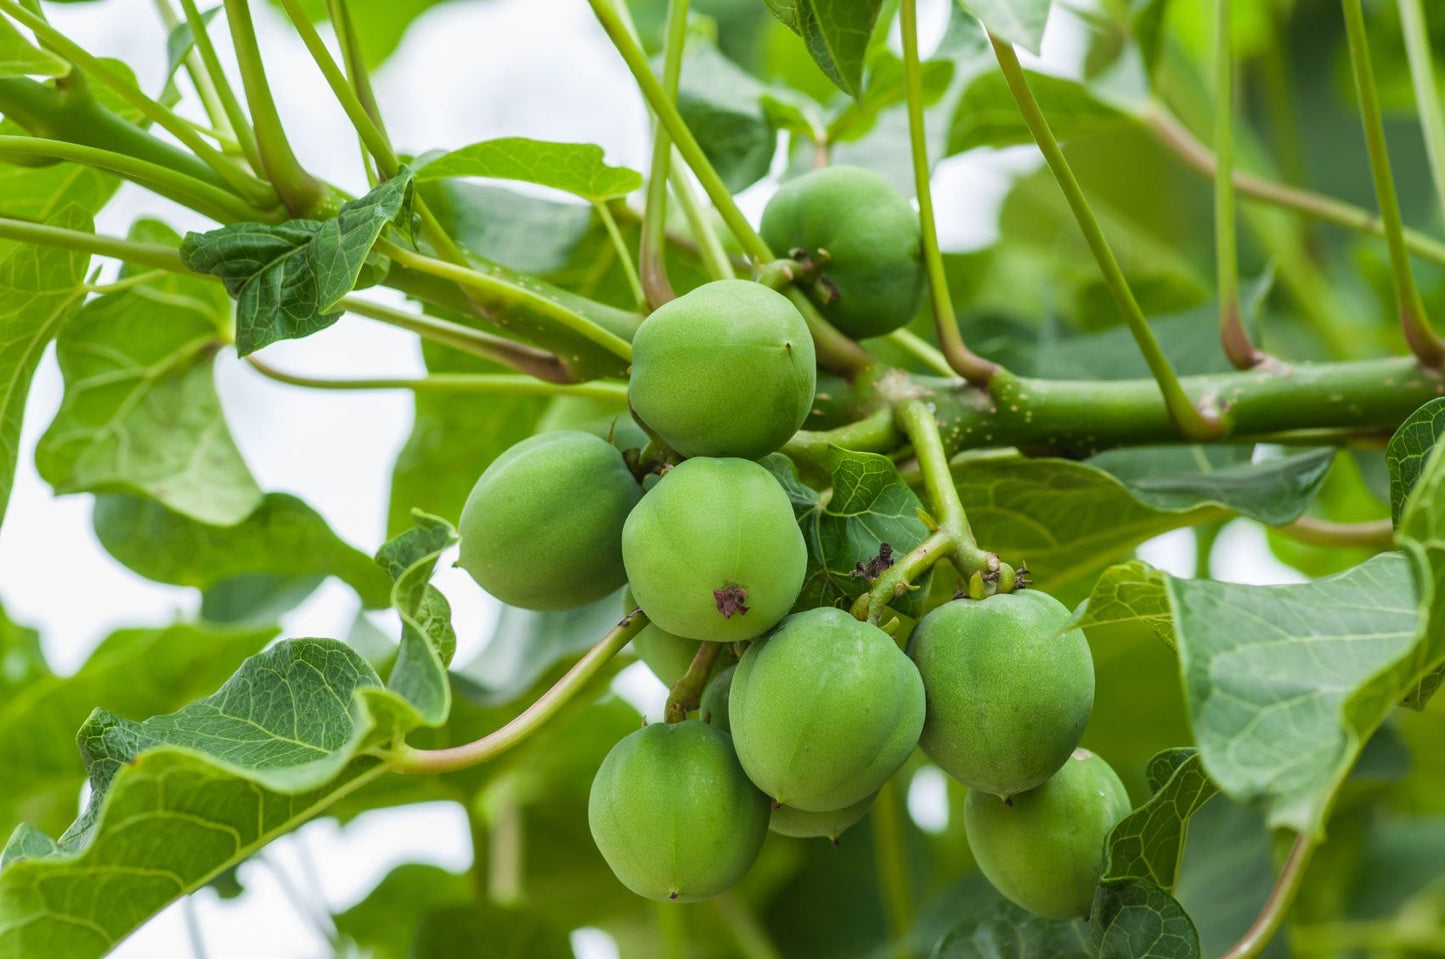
[{"x": 799, "y": 732}]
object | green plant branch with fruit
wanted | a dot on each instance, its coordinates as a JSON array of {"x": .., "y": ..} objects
[{"x": 743, "y": 459}]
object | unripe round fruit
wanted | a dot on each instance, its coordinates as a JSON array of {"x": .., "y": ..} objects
[
  {"x": 608, "y": 419},
  {"x": 713, "y": 551},
  {"x": 727, "y": 369},
  {"x": 1009, "y": 695},
  {"x": 673, "y": 813},
  {"x": 668, "y": 656},
  {"x": 800, "y": 824},
  {"x": 872, "y": 238},
  {"x": 1045, "y": 850},
  {"x": 542, "y": 529},
  {"x": 824, "y": 710},
  {"x": 713, "y": 709}
]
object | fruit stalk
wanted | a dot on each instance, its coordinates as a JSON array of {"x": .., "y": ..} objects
[
  {"x": 686, "y": 693},
  {"x": 916, "y": 419},
  {"x": 1281, "y": 897},
  {"x": 407, "y": 759}
]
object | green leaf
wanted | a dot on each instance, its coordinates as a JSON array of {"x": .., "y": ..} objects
[
  {"x": 1422, "y": 532},
  {"x": 485, "y": 929},
  {"x": 884, "y": 88},
  {"x": 19, "y": 58},
  {"x": 1006, "y": 931},
  {"x": 22, "y": 660},
  {"x": 283, "y": 537},
  {"x": 1135, "y": 919},
  {"x": 1017, "y": 21},
  {"x": 533, "y": 234},
  {"x": 135, "y": 672},
  {"x": 576, "y": 168},
  {"x": 1149, "y": 842},
  {"x": 1134, "y": 592},
  {"x": 836, "y": 33},
  {"x": 386, "y": 921},
  {"x": 870, "y": 505},
  {"x": 288, "y": 278},
  {"x": 140, "y": 412},
  {"x": 178, "y": 798},
  {"x": 988, "y": 116},
  {"x": 181, "y": 41},
  {"x": 1408, "y": 448},
  {"x": 1285, "y": 684},
  {"x": 723, "y": 106},
  {"x": 42, "y": 287},
  {"x": 427, "y": 638}
]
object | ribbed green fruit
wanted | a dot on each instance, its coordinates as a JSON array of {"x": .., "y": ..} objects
[
  {"x": 673, "y": 813},
  {"x": 713, "y": 551},
  {"x": 727, "y": 369},
  {"x": 1044, "y": 851},
  {"x": 800, "y": 824},
  {"x": 872, "y": 239},
  {"x": 824, "y": 710},
  {"x": 542, "y": 528},
  {"x": 1009, "y": 692}
]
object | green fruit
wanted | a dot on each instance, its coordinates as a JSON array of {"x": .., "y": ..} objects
[
  {"x": 668, "y": 656},
  {"x": 1043, "y": 849},
  {"x": 725, "y": 370},
  {"x": 673, "y": 813},
  {"x": 872, "y": 240},
  {"x": 812, "y": 825},
  {"x": 713, "y": 709},
  {"x": 542, "y": 529},
  {"x": 713, "y": 551},
  {"x": 824, "y": 710},
  {"x": 607, "y": 419},
  {"x": 1009, "y": 694}
]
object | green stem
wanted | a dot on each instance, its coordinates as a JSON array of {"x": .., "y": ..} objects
[
  {"x": 624, "y": 255},
  {"x": 1413, "y": 321},
  {"x": 230, "y": 103},
  {"x": 751, "y": 938},
  {"x": 686, "y": 694},
  {"x": 489, "y": 283},
  {"x": 300, "y": 191},
  {"x": 233, "y": 176},
  {"x": 1237, "y": 344},
  {"x": 710, "y": 249},
  {"x": 505, "y": 384},
  {"x": 916, "y": 420},
  {"x": 897, "y": 580},
  {"x": 1427, "y": 98},
  {"x": 199, "y": 195},
  {"x": 1372, "y": 534},
  {"x": 972, "y": 367},
  {"x": 1191, "y": 421},
  {"x": 875, "y": 433},
  {"x": 891, "y": 862},
  {"x": 1172, "y": 134},
  {"x": 518, "y": 356},
  {"x": 654, "y": 220},
  {"x": 142, "y": 254},
  {"x": 1281, "y": 897},
  {"x": 1278, "y": 98},
  {"x": 126, "y": 283},
  {"x": 921, "y": 350},
  {"x": 345, "y": 27},
  {"x": 200, "y": 79},
  {"x": 407, "y": 759}
]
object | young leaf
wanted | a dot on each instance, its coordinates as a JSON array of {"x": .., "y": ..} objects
[
  {"x": 1149, "y": 842},
  {"x": 1408, "y": 448},
  {"x": 288, "y": 278},
  {"x": 42, "y": 287},
  {"x": 1422, "y": 532},
  {"x": 140, "y": 412},
  {"x": 575, "y": 168},
  {"x": 18, "y": 58},
  {"x": 181, "y": 41},
  {"x": 870, "y": 506},
  {"x": 283, "y": 537},
  {"x": 427, "y": 638},
  {"x": 1017, "y": 21},
  {"x": 1135, "y": 919},
  {"x": 135, "y": 672},
  {"x": 1133, "y": 592},
  {"x": 836, "y": 33},
  {"x": 987, "y": 116}
]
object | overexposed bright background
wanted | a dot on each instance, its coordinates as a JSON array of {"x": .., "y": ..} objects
[{"x": 468, "y": 70}]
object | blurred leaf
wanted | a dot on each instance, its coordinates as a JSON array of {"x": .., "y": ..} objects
[
  {"x": 988, "y": 116},
  {"x": 22, "y": 660},
  {"x": 1006, "y": 931},
  {"x": 18, "y": 58},
  {"x": 884, "y": 87},
  {"x": 870, "y": 505},
  {"x": 1017, "y": 21},
  {"x": 43, "y": 289},
  {"x": 576, "y": 168},
  {"x": 533, "y": 234},
  {"x": 836, "y": 33},
  {"x": 484, "y": 929},
  {"x": 1422, "y": 533},
  {"x": 140, "y": 412},
  {"x": 283, "y": 537},
  {"x": 1408, "y": 449},
  {"x": 288, "y": 279},
  {"x": 385, "y": 923},
  {"x": 256, "y": 597},
  {"x": 380, "y": 25},
  {"x": 1227, "y": 873},
  {"x": 723, "y": 107},
  {"x": 181, "y": 41},
  {"x": 134, "y": 672}
]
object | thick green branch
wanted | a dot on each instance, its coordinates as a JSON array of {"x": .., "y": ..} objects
[{"x": 407, "y": 759}]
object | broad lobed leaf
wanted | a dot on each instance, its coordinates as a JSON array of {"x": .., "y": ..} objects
[
  {"x": 576, "y": 168},
  {"x": 1017, "y": 21},
  {"x": 19, "y": 58}
]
